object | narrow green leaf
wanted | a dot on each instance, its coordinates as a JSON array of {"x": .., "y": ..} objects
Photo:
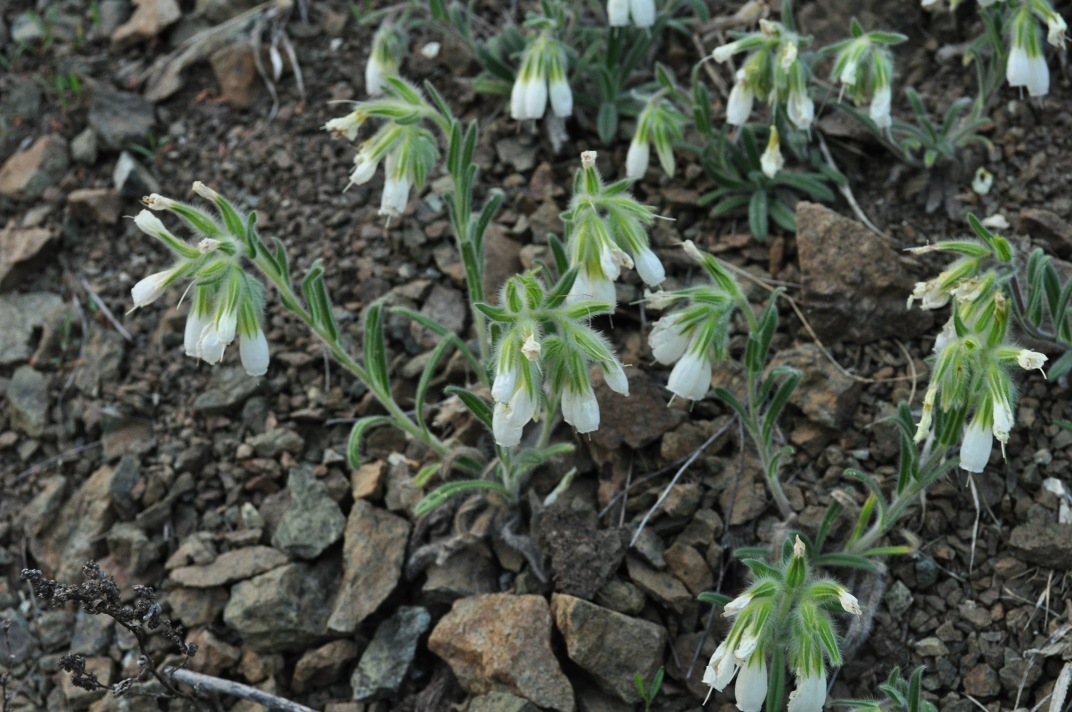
[
  {"x": 426, "y": 380},
  {"x": 757, "y": 215},
  {"x": 476, "y": 405},
  {"x": 442, "y": 494},
  {"x": 607, "y": 122},
  {"x": 357, "y": 434},
  {"x": 376, "y": 347}
]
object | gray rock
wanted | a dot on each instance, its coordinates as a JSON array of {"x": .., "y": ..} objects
[
  {"x": 283, "y": 610},
  {"x": 273, "y": 442},
  {"x": 229, "y": 388},
  {"x": 126, "y": 477},
  {"x": 825, "y": 394},
  {"x": 1048, "y": 544},
  {"x": 132, "y": 548},
  {"x": 26, "y": 175},
  {"x": 132, "y": 179},
  {"x": 898, "y": 599},
  {"x": 119, "y": 118},
  {"x": 445, "y": 306},
  {"x": 27, "y": 401},
  {"x": 621, "y": 596},
  {"x": 17, "y": 645},
  {"x": 196, "y": 606},
  {"x": 386, "y": 661},
  {"x": 103, "y": 359},
  {"x": 22, "y": 98},
  {"x": 84, "y": 147},
  {"x": 619, "y": 422},
  {"x": 20, "y": 316},
  {"x": 660, "y": 585},
  {"x": 229, "y": 567},
  {"x": 92, "y": 634},
  {"x": 374, "y": 548},
  {"x": 40, "y": 512},
  {"x": 854, "y": 283},
  {"x": 501, "y": 702},
  {"x": 94, "y": 205},
  {"x": 518, "y": 153},
  {"x": 613, "y": 648},
  {"x": 502, "y": 643},
  {"x": 19, "y": 246},
  {"x": 469, "y": 572},
  {"x": 76, "y": 535},
  {"x": 312, "y": 522},
  {"x": 931, "y": 647}
]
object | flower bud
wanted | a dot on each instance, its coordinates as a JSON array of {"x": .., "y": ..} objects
[
  {"x": 253, "y": 350},
  {"x": 149, "y": 289}
]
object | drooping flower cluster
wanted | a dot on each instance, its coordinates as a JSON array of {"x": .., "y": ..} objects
[
  {"x": 226, "y": 302},
  {"x": 973, "y": 355},
  {"x": 605, "y": 229},
  {"x": 864, "y": 67},
  {"x": 543, "y": 74},
  {"x": 773, "y": 70},
  {"x": 658, "y": 124},
  {"x": 407, "y": 149},
  {"x": 786, "y": 610},
  {"x": 1026, "y": 65},
  {"x": 641, "y": 12},
  {"x": 545, "y": 341},
  {"x": 695, "y": 336}
]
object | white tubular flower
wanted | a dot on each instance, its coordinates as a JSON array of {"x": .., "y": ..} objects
[
  {"x": 531, "y": 349},
  {"x": 1024, "y": 70},
  {"x": 149, "y": 289},
  {"x": 226, "y": 325},
  {"x": 848, "y": 73},
  {"x": 772, "y": 160},
  {"x": 375, "y": 73},
  {"x": 615, "y": 378},
  {"x": 747, "y": 645},
  {"x": 667, "y": 340},
  {"x": 195, "y": 326},
  {"x": 751, "y": 687},
  {"x": 720, "y": 668},
  {"x": 691, "y": 376},
  {"x": 589, "y": 288},
  {"x": 210, "y": 347},
  {"x": 636, "y": 160},
  {"x": 810, "y": 693},
  {"x": 643, "y": 12},
  {"x": 722, "y": 53},
  {"x": 254, "y": 352},
  {"x": 649, "y": 267},
  {"x": 734, "y": 607},
  {"x": 739, "y": 106},
  {"x": 149, "y": 223},
  {"x": 346, "y": 126},
  {"x": 580, "y": 409},
  {"x": 561, "y": 97},
  {"x": 506, "y": 433},
  {"x": 1003, "y": 422},
  {"x": 157, "y": 202},
  {"x": 517, "y": 98},
  {"x": 522, "y": 406},
  {"x": 618, "y": 13},
  {"x": 502, "y": 389},
  {"x": 976, "y": 446},
  {"x": 930, "y": 294},
  {"x": 1056, "y": 27},
  {"x": 611, "y": 259},
  {"x": 849, "y": 603},
  {"x": 801, "y": 109},
  {"x": 395, "y": 189},
  {"x": 536, "y": 99},
  {"x": 1028, "y": 359},
  {"x": 364, "y": 168},
  {"x": 880, "y": 107}
]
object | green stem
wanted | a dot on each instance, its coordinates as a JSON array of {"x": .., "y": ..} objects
[{"x": 290, "y": 300}]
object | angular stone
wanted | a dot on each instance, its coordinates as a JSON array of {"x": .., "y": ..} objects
[
  {"x": 1048, "y": 544},
  {"x": 131, "y": 548},
  {"x": 613, "y": 648},
  {"x": 386, "y": 660},
  {"x": 689, "y": 567},
  {"x": 502, "y": 642},
  {"x": 312, "y": 522},
  {"x": 94, "y": 205},
  {"x": 446, "y": 306},
  {"x": 132, "y": 179},
  {"x": 27, "y": 401},
  {"x": 283, "y": 610},
  {"x": 825, "y": 394},
  {"x": 229, "y": 567},
  {"x": 20, "y": 245},
  {"x": 324, "y": 665},
  {"x": 79, "y": 698},
  {"x": 76, "y": 536},
  {"x": 501, "y": 702},
  {"x": 119, "y": 118},
  {"x": 374, "y": 548},
  {"x": 618, "y": 418},
  {"x": 854, "y": 283},
  {"x": 468, "y": 572},
  {"x": 661, "y": 586},
  {"x": 236, "y": 72},
  {"x": 84, "y": 147},
  {"x": 196, "y": 606},
  {"x": 228, "y": 389},
  {"x": 149, "y": 19},
  {"x": 20, "y": 316},
  {"x": 26, "y": 175}
]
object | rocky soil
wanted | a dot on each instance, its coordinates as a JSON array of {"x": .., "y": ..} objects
[{"x": 291, "y": 572}]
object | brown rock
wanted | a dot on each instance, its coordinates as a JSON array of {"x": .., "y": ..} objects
[
  {"x": 213, "y": 654},
  {"x": 366, "y": 482},
  {"x": 661, "y": 586},
  {"x": 229, "y": 567},
  {"x": 284, "y": 609},
  {"x": 1042, "y": 222},
  {"x": 825, "y": 394},
  {"x": 149, "y": 19},
  {"x": 236, "y": 72},
  {"x": 99, "y": 205},
  {"x": 324, "y": 665},
  {"x": 374, "y": 547},
  {"x": 610, "y": 646},
  {"x": 77, "y": 535},
  {"x": 502, "y": 260},
  {"x": 257, "y": 667},
  {"x": 18, "y": 245},
  {"x": 854, "y": 283},
  {"x": 689, "y": 567},
  {"x": 26, "y": 175},
  {"x": 982, "y": 681},
  {"x": 79, "y": 698},
  {"x": 196, "y": 606},
  {"x": 502, "y": 642},
  {"x": 618, "y": 414},
  {"x": 1048, "y": 544}
]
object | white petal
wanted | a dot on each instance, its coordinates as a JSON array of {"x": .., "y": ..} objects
[
  {"x": 649, "y": 267},
  {"x": 561, "y": 98},
  {"x": 505, "y": 382},
  {"x": 739, "y": 106},
  {"x": 691, "y": 377},
  {"x": 667, "y": 342},
  {"x": 1038, "y": 81},
  {"x": 880, "y": 107},
  {"x": 636, "y": 160},
  {"x": 976, "y": 446},
  {"x": 536, "y": 99},
  {"x": 1029, "y": 360},
  {"x": 580, "y": 410},
  {"x": 615, "y": 378},
  {"x": 395, "y": 196},
  {"x": 506, "y": 433},
  {"x": 149, "y": 289},
  {"x": 809, "y": 695},
  {"x": 751, "y": 687},
  {"x": 195, "y": 325},
  {"x": 209, "y": 346},
  {"x": 374, "y": 76},
  {"x": 618, "y": 12},
  {"x": 643, "y": 12}
]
